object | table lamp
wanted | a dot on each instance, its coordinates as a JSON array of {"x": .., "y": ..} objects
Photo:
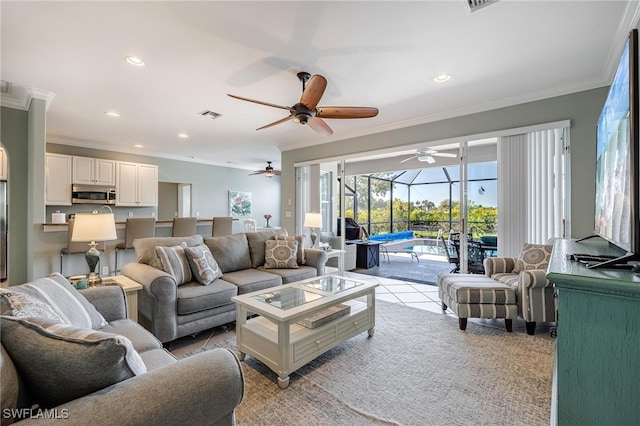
[
  {"x": 92, "y": 227},
  {"x": 313, "y": 221}
]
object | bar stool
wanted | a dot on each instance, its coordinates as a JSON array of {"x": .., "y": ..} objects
[
  {"x": 136, "y": 227},
  {"x": 184, "y": 226},
  {"x": 73, "y": 247},
  {"x": 222, "y": 226}
]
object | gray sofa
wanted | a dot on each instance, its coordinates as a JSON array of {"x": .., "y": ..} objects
[
  {"x": 66, "y": 376},
  {"x": 170, "y": 310}
]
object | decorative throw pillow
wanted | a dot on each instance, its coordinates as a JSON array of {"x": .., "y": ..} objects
[
  {"x": 280, "y": 254},
  {"x": 22, "y": 305},
  {"x": 300, "y": 258},
  {"x": 64, "y": 299},
  {"x": 533, "y": 256},
  {"x": 204, "y": 267},
  {"x": 174, "y": 262},
  {"x": 60, "y": 362}
]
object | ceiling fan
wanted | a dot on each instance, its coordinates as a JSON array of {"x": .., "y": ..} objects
[
  {"x": 427, "y": 154},
  {"x": 307, "y": 112},
  {"x": 269, "y": 171}
]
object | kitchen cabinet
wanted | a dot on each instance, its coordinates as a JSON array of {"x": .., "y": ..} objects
[
  {"x": 136, "y": 184},
  {"x": 58, "y": 168},
  {"x": 94, "y": 171}
]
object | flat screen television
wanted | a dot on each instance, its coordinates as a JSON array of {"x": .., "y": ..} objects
[{"x": 617, "y": 208}]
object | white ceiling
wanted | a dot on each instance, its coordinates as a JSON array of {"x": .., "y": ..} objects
[{"x": 373, "y": 53}]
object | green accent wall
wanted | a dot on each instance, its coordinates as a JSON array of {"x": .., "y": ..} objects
[{"x": 14, "y": 137}]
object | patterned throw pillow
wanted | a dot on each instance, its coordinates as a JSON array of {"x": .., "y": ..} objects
[
  {"x": 533, "y": 256},
  {"x": 76, "y": 361},
  {"x": 174, "y": 262},
  {"x": 67, "y": 302},
  {"x": 280, "y": 254},
  {"x": 300, "y": 239},
  {"x": 22, "y": 305},
  {"x": 204, "y": 267}
]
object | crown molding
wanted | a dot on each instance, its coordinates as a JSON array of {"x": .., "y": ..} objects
[{"x": 20, "y": 97}]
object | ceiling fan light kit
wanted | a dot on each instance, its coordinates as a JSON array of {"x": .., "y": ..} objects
[
  {"x": 268, "y": 171},
  {"x": 307, "y": 111}
]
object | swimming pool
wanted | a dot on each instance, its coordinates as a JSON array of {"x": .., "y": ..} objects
[{"x": 415, "y": 246}]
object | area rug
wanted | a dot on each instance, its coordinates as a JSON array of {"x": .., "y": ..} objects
[{"x": 417, "y": 369}]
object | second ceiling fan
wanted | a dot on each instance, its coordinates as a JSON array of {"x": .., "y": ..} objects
[
  {"x": 307, "y": 110},
  {"x": 427, "y": 154}
]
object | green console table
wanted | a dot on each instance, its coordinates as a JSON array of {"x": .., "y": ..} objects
[{"x": 597, "y": 366}]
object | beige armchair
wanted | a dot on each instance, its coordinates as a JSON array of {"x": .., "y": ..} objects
[
  {"x": 349, "y": 256},
  {"x": 526, "y": 275}
]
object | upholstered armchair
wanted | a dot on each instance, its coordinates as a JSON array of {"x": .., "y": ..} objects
[{"x": 526, "y": 275}]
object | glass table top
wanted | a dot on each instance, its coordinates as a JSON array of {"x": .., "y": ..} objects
[
  {"x": 288, "y": 297},
  {"x": 333, "y": 284}
]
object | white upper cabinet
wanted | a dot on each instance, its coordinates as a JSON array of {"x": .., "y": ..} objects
[
  {"x": 94, "y": 171},
  {"x": 136, "y": 184},
  {"x": 58, "y": 179}
]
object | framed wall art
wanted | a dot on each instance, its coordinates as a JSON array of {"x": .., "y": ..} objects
[{"x": 239, "y": 203}]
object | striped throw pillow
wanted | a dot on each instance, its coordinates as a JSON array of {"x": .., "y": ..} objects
[
  {"x": 174, "y": 262},
  {"x": 60, "y": 362},
  {"x": 67, "y": 302}
]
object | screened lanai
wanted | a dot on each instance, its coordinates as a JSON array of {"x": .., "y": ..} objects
[{"x": 425, "y": 200}]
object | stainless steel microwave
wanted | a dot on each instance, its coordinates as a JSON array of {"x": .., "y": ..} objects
[{"x": 93, "y": 194}]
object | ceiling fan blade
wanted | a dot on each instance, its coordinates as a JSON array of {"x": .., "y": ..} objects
[
  {"x": 275, "y": 172},
  {"x": 320, "y": 126},
  {"x": 258, "y": 172},
  {"x": 313, "y": 91},
  {"x": 276, "y": 122},
  {"x": 410, "y": 158},
  {"x": 259, "y": 102},
  {"x": 444, "y": 154},
  {"x": 346, "y": 112}
]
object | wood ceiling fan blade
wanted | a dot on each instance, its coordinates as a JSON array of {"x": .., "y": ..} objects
[
  {"x": 313, "y": 91},
  {"x": 320, "y": 126},
  {"x": 259, "y": 102},
  {"x": 276, "y": 172},
  {"x": 346, "y": 112},
  {"x": 276, "y": 122},
  {"x": 258, "y": 172}
]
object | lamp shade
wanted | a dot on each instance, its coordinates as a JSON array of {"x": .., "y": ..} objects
[
  {"x": 313, "y": 220},
  {"x": 94, "y": 227}
]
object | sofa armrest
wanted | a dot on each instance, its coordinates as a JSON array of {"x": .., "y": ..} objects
[
  {"x": 157, "y": 301},
  {"x": 109, "y": 300},
  {"x": 498, "y": 265},
  {"x": 534, "y": 278},
  {"x": 202, "y": 389},
  {"x": 316, "y": 258}
]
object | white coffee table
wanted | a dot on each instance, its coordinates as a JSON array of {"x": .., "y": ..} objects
[{"x": 275, "y": 338}]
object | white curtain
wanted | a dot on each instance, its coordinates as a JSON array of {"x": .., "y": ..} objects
[{"x": 532, "y": 189}]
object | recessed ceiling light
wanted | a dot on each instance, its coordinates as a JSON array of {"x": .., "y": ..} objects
[
  {"x": 183, "y": 135},
  {"x": 139, "y": 145},
  {"x": 441, "y": 78},
  {"x": 134, "y": 60},
  {"x": 112, "y": 114}
]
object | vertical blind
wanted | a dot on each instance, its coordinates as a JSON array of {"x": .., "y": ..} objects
[{"x": 531, "y": 189}]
